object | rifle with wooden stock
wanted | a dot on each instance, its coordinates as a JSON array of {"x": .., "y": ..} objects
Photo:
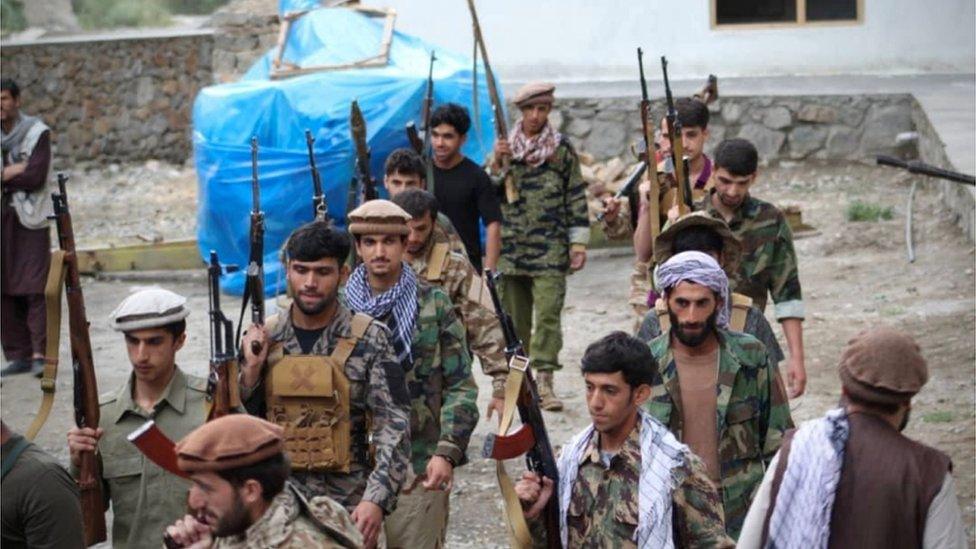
[
  {"x": 682, "y": 197},
  {"x": 254, "y": 280},
  {"x": 423, "y": 147},
  {"x": 223, "y": 395},
  {"x": 647, "y": 132},
  {"x": 530, "y": 439},
  {"x": 320, "y": 210},
  {"x": 363, "y": 188},
  {"x": 83, "y": 367}
]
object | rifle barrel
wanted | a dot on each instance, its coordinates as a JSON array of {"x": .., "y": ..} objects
[{"x": 914, "y": 166}]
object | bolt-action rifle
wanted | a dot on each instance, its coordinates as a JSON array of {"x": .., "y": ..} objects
[
  {"x": 423, "y": 147},
  {"x": 83, "y": 367},
  {"x": 647, "y": 131},
  {"x": 682, "y": 198},
  {"x": 254, "y": 280},
  {"x": 363, "y": 186},
  {"x": 320, "y": 210},
  {"x": 222, "y": 391},
  {"x": 530, "y": 439}
]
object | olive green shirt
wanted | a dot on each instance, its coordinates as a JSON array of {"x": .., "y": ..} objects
[{"x": 145, "y": 498}]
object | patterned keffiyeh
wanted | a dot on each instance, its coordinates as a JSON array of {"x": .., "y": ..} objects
[
  {"x": 400, "y": 300},
  {"x": 536, "y": 149}
]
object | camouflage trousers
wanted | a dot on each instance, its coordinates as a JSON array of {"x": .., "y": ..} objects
[
  {"x": 536, "y": 306},
  {"x": 420, "y": 520}
]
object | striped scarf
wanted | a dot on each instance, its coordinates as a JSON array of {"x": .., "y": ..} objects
[
  {"x": 536, "y": 149},
  {"x": 400, "y": 300}
]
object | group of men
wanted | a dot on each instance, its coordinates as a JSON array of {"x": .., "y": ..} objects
[{"x": 358, "y": 398}]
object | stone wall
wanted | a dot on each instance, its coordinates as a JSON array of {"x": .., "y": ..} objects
[
  {"x": 113, "y": 99},
  {"x": 782, "y": 127},
  {"x": 241, "y": 38}
]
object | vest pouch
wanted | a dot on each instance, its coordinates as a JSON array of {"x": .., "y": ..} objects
[{"x": 309, "y": 397}]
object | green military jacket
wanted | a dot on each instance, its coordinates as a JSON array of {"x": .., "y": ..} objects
[
  {"x": 753, "y": 413},
  {"x": 768, "y": 265},
  {"x": 549, "y": 216},
  {"x": 443, "y": 393},
  {"x": 146, "y": 499}
]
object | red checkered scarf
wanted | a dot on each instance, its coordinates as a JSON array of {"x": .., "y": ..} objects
[{"x": 536, "y": 149}]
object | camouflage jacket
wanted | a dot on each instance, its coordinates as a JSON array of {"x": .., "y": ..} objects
[
  {"x": 768, "y": 264},
  {"x": 444, "y": 231},
  {"x": 443, "y": 394},
  {"x": 379, "y": 407},
  {"x": 472, "y": 304},
  {"x": 753, "y": 413},
  {"x": 548, "y": 218},
  {"x": 603, "y": 507},
  {"x": 292, "y": 522}
]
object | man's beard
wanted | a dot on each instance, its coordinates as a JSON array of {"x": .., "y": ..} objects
[
  {"x": 235, "y": 522},
  {"x": 697, "y": 339},
  {"x": 313, "y": 310}
]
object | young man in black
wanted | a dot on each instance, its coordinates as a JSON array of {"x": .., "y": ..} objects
[{"x": 463, "y": 188}]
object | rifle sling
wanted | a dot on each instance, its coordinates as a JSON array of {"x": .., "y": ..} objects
[
  {"x": 518, "y": 531},
  {"x": 52, "y": 299}
]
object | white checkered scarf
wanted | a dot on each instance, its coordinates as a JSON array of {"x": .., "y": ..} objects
[
  {"x": 536, "y": 149},
  {"x": 801, "y": 516},
  {"x": 701, "y": 269},
  {"x": 661, "y": 454},
  {"x": 401, "y": 300}
]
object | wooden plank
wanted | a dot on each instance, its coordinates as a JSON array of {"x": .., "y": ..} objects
[{"x": 162, "y": 256}]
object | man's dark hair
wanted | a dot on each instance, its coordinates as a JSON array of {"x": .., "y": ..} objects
[
  {"x": 692, "y": 113},
  {"x": 737, "y": 155},
  {"x": 619, "y": 352},
  {"x": 417, "y": 202},
  {"x": 406, "y": 162},
  {"x": 271, "y": 473},
  {"x": 698, "y": 239},
  {"x": 317, "y": 240},
  {"x": 177, "y": 328},
  {"x": 877, "y": 407},
  {"x": 453, "y": 115},
  {"x": 8, "y": 84}
]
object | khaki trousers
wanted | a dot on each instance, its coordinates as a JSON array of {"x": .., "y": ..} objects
[{"x": 420, "y": 520}]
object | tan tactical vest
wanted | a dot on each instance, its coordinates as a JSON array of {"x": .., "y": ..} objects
[
  {"x": 737, "y": 322},
  {"x": 308, "y": 395},
  {"x": 437, "y": 261}
]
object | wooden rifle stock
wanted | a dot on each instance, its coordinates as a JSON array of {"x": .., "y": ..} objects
[
  {"x": 682, "y": 196},
  {"x": 222, "y": 390},
  {"x": 83, "y": 366},
  {"x": 364, "y": 185},
  {"x": 654, "y": 200},
  {"x": 156, "y": 446}
]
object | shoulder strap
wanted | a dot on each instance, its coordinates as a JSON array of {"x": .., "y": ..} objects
[
  {"x": 52, "y": 297},
  {"x": 438, "y": 258},
  {"x": 360, "y": 323},
  {"x": 661, "y": 308},
  {"x": 740, "y": 310},
  {"x": 11, "y": 458}
]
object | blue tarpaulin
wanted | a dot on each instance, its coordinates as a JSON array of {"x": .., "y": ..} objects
[{"x": 278, "y": 112}]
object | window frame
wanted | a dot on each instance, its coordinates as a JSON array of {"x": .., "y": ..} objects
[{"x": 801, "y": 19}]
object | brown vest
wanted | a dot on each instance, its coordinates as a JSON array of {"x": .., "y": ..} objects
[{"x": 887, "y": 483}]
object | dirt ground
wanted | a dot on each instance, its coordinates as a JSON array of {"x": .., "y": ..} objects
[{"x": 854, "y": 276}]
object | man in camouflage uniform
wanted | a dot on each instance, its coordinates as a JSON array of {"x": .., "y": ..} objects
[
  {"x": 430, "y": 344},
  {"x": 769, "y": 265},
  {"x": 240, "y": 498},
  {"x": 405, "y": 170},
  {"x": 452, "y": 272},
  {"x": 618, "y": 476},
  {"x": 716, "y": 390},
  {"x": 315, "y": 329},
  {"x": 546, "y": 229}
]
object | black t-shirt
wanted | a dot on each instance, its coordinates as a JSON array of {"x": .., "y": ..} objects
[
  {"x": 465, "y": 194},
  {"x": 307, "y": 338}
]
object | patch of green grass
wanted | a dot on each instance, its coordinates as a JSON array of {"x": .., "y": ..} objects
[
  {"x": 107, "y": 14},
  {"x": 12, "y": 16},
  {"x": 937, "y": 417},
  {"x": 866, "y": 211},
  {"x": 893, "y": 310}
]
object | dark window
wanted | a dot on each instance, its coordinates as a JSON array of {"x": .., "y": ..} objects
[
  {"x": 831, "y": 10},
  {"x": 733, "y": 12}
]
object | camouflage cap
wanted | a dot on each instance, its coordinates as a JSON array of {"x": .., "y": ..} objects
[
  {"x": 379, "y": 217},
  {"x": 148, "y": 308},
  {"x": 229, "y": 442},
  {"x": 731, "y": 247},
  {"x": 534, "y": 93},
  {"x": 882, "y": 365}
]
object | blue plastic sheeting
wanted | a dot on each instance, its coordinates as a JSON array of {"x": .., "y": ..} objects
[{"x": 278, "y": 112}]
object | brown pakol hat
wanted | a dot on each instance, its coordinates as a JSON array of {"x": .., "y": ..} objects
[
  {"x": 534, "y": 93},
  {"x": 731, "y": 248},
  {"x": 379, "y": 217},
  {"x": 229, "y": 442},
  {"x": 883, "y": 366}
]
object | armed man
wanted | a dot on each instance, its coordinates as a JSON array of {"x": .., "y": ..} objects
[
  {"x": 625, "y": 481},
  {"x": 331, "y": 378},
  {"x": 429, "y": 342},
  {"x": 546, "y": 229},
  {"x": 240, "y": 496},
  {"x": 769, "y": 265},
  {"x": 405, "y": 170},
  {"x": 716, "y": 390},
  {"x": 438, "y": 266},
  {"x": 143, "y": 496}
]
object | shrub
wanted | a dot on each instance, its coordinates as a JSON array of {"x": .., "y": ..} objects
[
  {"x": 863, "y": 211},
  {"x": 12, "y": 16},
  {"x": 106, "y": 14}
]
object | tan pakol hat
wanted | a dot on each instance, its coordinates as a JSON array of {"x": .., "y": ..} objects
[
  {"x": 534, "y": 93},
  {"x": 882, "y": 365},
  {"x": 731, "y": 247},
  {"x": 379, "y": 217},
  {"x": 150, "y": 308},
  {"x": 229, "y": 442}
]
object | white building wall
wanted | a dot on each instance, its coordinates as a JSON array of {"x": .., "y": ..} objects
[{"x": 592, "y": 40}]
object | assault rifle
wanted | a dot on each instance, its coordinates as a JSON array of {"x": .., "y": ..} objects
[
  {"x": 222, "y": 390},
  {"x": 320, "y": 209},
  {"x": 254, "y": 282},
  {"x": 682, "y": 198},
  {"x": 531, "y": 438},
  {"x": 363, "y": 187},
  {"x": 628, "y": 187},
  {"x": 647, "y": 130},
  {"x": 498, "y": 112},
  {"x": 423, "y": 148},
  {"x": 85, "y": 385}
]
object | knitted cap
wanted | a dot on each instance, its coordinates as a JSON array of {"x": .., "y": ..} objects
[
  {"x": 379, "y": 217},
  {"x": 229, "y": 442},
  {"x": 731, "y": 248},
  {"x": 534, "y": 93},
  {"x": 882, "y": 365},
  {"x": 150, "y": 308}
]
